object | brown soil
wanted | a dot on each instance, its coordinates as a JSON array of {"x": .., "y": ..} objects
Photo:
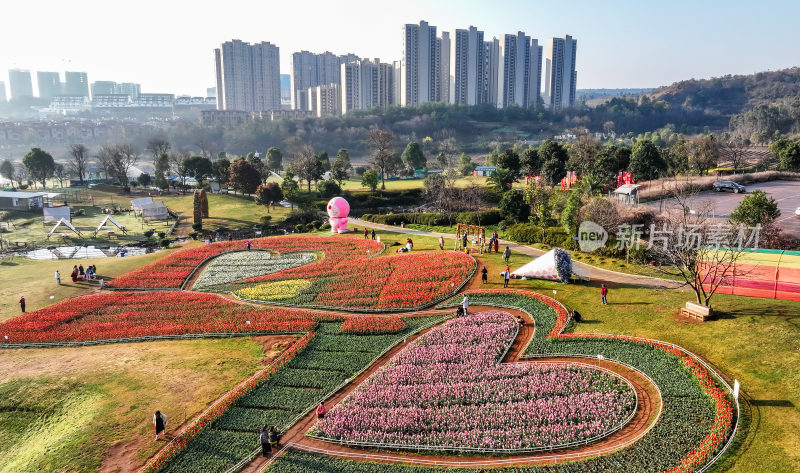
[{"x": 647, "y": 413}]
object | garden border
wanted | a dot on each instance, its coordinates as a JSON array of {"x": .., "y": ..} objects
[{"x": 153, "y": 338}]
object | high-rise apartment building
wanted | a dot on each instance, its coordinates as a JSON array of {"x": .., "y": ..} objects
[
  {"x": 19, "y": 81},
  {"x": 444, "y": 45},
  {"x": 107, "y": 87},
  {"x": 248, "y": 76},
  {"x": 310, "y": 70},
  {"x": 420, "y": 75},
  {"x": 325, "y": 100},
  {"x": 3, "y": 98},
  {"x": 49, "y": 84},
  {"x": 130, "y": 89},
  {"x": 491, "y": 58},
  {"x": 518, "y": 71},
  {"x": 102, "y": 87},
  {"x": 366, "y": 84},
  {"x": 467, "y": 67},
  {"x": 75, "y": 84},
  {"x": 560, "y": 73}
]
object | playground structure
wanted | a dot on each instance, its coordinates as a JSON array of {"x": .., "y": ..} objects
[
  {"x": 476, "y": 237},
  {"x": 109, "y": 218},
  {"x": 65, "y": 223}
]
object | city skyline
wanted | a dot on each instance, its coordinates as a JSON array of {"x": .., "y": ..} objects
[{"x": 623, "y": 44}]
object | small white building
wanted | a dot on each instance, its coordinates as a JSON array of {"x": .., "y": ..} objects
[{"x": 484, "y": 171}]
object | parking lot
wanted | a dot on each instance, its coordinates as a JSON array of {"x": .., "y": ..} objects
[{"x": 785, "y": 193}]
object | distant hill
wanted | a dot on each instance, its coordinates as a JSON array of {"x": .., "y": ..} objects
[
  {"x": 589, "y": 94},
  {"x": 730, "y": 95}
]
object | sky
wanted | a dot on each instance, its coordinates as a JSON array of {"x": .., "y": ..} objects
[{"x": 167, "y": 45}]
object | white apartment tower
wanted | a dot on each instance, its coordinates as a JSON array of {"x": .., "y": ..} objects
[
  {"x": 248, "y": 76},
  {"x": 519, "y": 68},
  {"x": 560, "y": 73},
  {"x": 366, "y": 84},
  {"x": 491, "y": 58},
  {"x": 325, "y": 100},
  {"x": 467, "y": 78},
  {"x": 420, "y": 75},
  {"x": 310, "y": 70}
]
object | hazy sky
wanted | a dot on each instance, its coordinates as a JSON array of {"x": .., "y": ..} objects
[{"x": 167, "y": 45}]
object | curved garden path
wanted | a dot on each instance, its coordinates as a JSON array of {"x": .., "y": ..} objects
[
  {"x": 596, "y": 273},
  {"x": 648, "y": 411}
]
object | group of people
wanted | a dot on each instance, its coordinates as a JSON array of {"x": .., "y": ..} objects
[
  {"x": 79, "y": 274},
  {"x": 367, "y": 233},
  {"x": 409, "y": 246},
  {"x": 506, "y": 275},
  {"x": 269, "y": 438}
]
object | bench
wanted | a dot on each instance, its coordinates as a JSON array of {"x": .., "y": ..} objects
[{"x": 696, "y": 311}]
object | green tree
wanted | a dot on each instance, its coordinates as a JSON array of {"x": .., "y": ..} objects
[
  {"x": 245, "y": 177},
  {"x": 569, "y": 216},
  {"x": 328, "y": 188},
  {"x": 222, "y": 170},
  {"x": 7, "y": 171},
  {"x": 161, "y": 172},
  {"x": 267, "y": 194},
  {"x": 509, "y": 159},
  {"x": 290, "y": 187},
  {"x": 325, "y": 161},
  {"x": 308, "y": 168},
  {"x": 384, "y": 159},
  {"x": 342, "y": 153},
  {"x": 274, "y": 159},
  {"x": 582, "y": 155},
  {"x": 705, "y": 154},
  {"x": 413, "y": 157},
  {"x": 539, "y": 199},
  {"x": 501, "y": 180},
  {"x": 787, "y": 152},
  {"x": 144, "y": 179},
  {"x": 513, "y": 206},
  {"x": 646, "y": 161},
  {"x": 370, "y": 179},
  {"x": 465, "y": 165},
  {"x": 756, "y": 208},
  {"x": 441, "y": 160},
  {"x": 677, "y": 157},
  {"x": 198, "y": 167},
  {"x": 529, "y": 161},
  {"x": 39, "y": 164},
  {"x": 340, "y": 169},
  {"x": 553, "y": 157}
]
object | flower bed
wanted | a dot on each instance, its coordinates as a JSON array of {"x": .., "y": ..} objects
[
  {"x": 373, "y": 325},
  {"x": 447, "y": 391},
  {"x": 116, "y": 315},
  {"x": 232, "y": 267}
]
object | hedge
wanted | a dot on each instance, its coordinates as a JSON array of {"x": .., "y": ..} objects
[
  {"x": 435, "y": 219},
  {"x": 529, "y": 233}
]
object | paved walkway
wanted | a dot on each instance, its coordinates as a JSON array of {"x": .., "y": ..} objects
[{"x": 595, "y": 273}]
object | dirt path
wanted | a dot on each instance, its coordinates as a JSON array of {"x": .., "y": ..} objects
[
  {"x": 648, "y": 411},
  {"x": 596, "y": 273}
]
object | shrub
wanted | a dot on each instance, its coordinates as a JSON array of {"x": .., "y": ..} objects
[
  {"x": 553, "y": 236},
  {"x": 164, "y": 243},
  {"x": 149, "y": 233},
  {"x": 524, "y": 233},
  {"x": 302, "y": 216},
  {"x": 325, "y": 226},
  {"x": 487, "y": 217},
  {"x": 162, "y": 235},
  {"x": 266, "y": 219},
  {"x": 328, "y": 188},
  {"x": 299, "y": 228}
]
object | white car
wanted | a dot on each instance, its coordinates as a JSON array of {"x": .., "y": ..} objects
[{"x": 797, "y": 211}]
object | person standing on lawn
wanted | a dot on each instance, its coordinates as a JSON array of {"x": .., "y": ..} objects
[
  {"x": 373, "y": 233},
  {"x": 507, "y": 254},
  {"x": 366, "y": 233},
  {"x": 160, "y": 423},
  {"x": 603, "y": 294},
  {"x": 464, "y": 240},
  {"x": 506, "y": 276},
  {"x": 266, "y": 447},
  {"x": 22, "y": 304},
  {"x": 484, "y": 277},
  {"x": 58, "y": 278},
  {"x": 465, "y": 304},
  {"x": 441, "y": 243},
  {"x": 321, "y": 411}
]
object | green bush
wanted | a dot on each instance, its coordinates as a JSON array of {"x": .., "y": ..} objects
[
  {"x": 487, "y": 217},
  {"x": 553, "y": 236},
  {"x": 164, "y": 243},
  {"x": 149, "y": 233},
  {"x": 328, "y": 188},
  {"x": 299, "y": 228},
  {"x": 524, "y": 233},
  {"x": 162, "y": 235}
]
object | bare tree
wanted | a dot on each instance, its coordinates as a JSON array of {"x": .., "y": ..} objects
[
  {"x": 78, "y": 160},
  {"x": 157, "y": 145},
  {"x": 60, "y": 173},
  {"x": 176, "y": 159},
  {"x": 734, "y": 151},
  {"x": 118, "y": 159},
  {"x": 383, "y": 156},
  {"x": 701, "y": 252},
  {"x": 203, "y": 143}
]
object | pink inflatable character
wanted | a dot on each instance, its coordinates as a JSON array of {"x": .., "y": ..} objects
[{"x": 338, "y": 209}]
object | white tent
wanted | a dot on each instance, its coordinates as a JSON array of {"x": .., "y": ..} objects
[
  {"x": 155, "y": 211},
  {"x": 137, "y": 204},
  {"x": 555, "y": 265},
  {"x": 66, "y": 224},
  {"x": 109, "y": 218},
  {"x": 54, "y": 214}
]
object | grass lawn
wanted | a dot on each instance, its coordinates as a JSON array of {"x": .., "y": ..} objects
[
  {"x": 62, "y": 409},
  {"x": 354, "y": 183},
  {"x": 224, "y": 210}
]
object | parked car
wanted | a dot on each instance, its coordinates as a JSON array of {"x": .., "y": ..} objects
[{"x": 731, "y": 186}]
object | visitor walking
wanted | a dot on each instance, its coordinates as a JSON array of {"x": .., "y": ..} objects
[
  {"x": 22, "y": 304},
  {"x": 507, "y": 254},
  {"x": 506, "y": 277},
  {"x": 373, "y": 233},
  {"x": 603, "y": 294},
  {"x": 464, "y": 240},
  {"x": 366, "y": 233},
  {"x": 465, "y": 304},
  {"x": 274, "y": 437},
  {"x": 247, "y": 245},
  {"x": 484, "y": 274},
  {"x": 58, "y": 278},
  {"x": 159, "y": 422},
  {"x": 266, "y": 447},
  {"x": 321, "y": 411},
  {"x": 441, "y": 242}
]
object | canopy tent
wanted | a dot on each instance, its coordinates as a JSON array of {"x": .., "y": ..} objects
[
  {"x": 109, "y": 218},
  {"x": 136, "y": 204},
  {"x": 54, "y": 214},
  {"x": 555, "y": 265},
  {"x": 155, "y": 211},
  {"x": 773, "y": 274},
  {"x": 66, "y": 224}
]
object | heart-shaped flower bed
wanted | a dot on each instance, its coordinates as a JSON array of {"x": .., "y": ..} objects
[{"x": 447, "y": 390}]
